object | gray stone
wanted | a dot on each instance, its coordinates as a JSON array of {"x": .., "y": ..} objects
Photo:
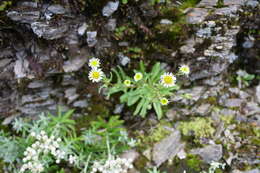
[
  {"x": 110, "y": 8},
  {"x": 196, "y": 15},
  {"x": 209, "y": 153},
  {"x": 233, "y": 102},
  {"x": 5, "y": 62},
  {"x": 207, "y": 3},
  {"x": 130, "y": 154},
  {"x": 203, "y": 109},
  {"x": 165, "y": 22},
  {"x": 227, "y": 11},
  {"x": 251, "y": 108},
  {"x": 37, "y": 84},
  {"x": 91, "y": 38},
  {"x": 252, "y": 3},
  {"x": 81, "y": 104},
  {"x": 82, "y": 29},
  {"x": 56, "y": 9},
  {"x": 186, "y": 49},
  {"x": 257, "y": 93},
  {"x": 71, "y": 94},
  {"x": 213, "y": 80},
  {"x": 234, "y": 2},
  {"x": 124, "y": 60},
  {"x": 75, "y": 64},
  {"x": 111, "y": 25},
  {"x": 20, "y": 68},
  {"x": 44, "y": 30},
  {"x": 252, "y": 171},
  {"x": 248, "y": 44},
  {"x": 168, "y": 148},
  {"x": 119, "y": 109},
  {"x": 25, "y": 16}
]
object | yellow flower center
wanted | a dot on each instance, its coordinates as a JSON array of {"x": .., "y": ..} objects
[
  {"x": 94, "y": 63},
  {"x": 168, "y": 80},
  {"x": 96, "y": 75},
  {"x": 185, "y": 69},
  {"x": 127, "y": 82},
  {"x": 164, "y": 101}
]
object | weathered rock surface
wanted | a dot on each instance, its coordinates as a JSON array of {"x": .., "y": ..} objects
[
  {"x": 209, "y": 153},
  {"x": 167, "y": 148}
]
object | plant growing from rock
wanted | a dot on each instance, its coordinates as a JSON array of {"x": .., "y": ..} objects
[
  {"x": 145, "y": 90},
  {"x": 50, "y": 142}
]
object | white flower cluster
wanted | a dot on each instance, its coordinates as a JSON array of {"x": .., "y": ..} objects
[
  {"x": 42, "y": 146},
  {"x": 113, "y": 165}
]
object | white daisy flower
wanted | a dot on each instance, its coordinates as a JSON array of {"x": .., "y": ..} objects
[
  {"x": 184, "y": 69},
  {"x": 168, "y": 79},
  {"x": 138, "y": 76},
  {"x": 94, "y": 63},
  {"x": 95, "y": 75}
]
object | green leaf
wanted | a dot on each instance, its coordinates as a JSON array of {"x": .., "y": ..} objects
[
  {"x": 132, "y": 100},
  {"x": 139, "y": 106},
  {"x": 158, "y": 109},
  {"x": 144, "y": 108},
  {"x": 142, "y": 67}
]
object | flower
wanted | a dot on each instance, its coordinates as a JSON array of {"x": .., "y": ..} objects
[
  {"x": 168, "y": 80},
  {"x": 94, "y": 63},
  {"x": 95, "y": 75},
  {"x": 127, "y": 83},
  {"x": 164, "y": 101},
  {"x": 184, "y": 69},
  {"x": 138, "y": 76}
]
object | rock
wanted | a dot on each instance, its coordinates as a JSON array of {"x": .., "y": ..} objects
[
  {"x": 110, "y": 8},
  {"x": 197, "y": 15},
  {"x": 44, "y": 30},
  {"x": 4, "y": 62},
  {"x": 75, "y": 64},
  {"x": 252, "y": 171},
  {"x": 167, "y": 148},
  {"x": 248, "y": 44},
  {"x": 227, "y": 11},
  {"x": 25, "y": 16},
  {"x": 20, "y": 68},
  {"x": 252, "y": 3},
  {"x": 203, "y": 109},
  {"x": 130, "y": 154},
  {"x": 233, "y": 102},
  {"x": 71, "y": 94},
  {"x": 56, "y": 9},
  {"x": 91, "y": 38},
  {"x": 119, "y": 108},
  {"x": 257, "y": 93},
  {"x": 213, "y": 81},
  {"x": 186, "y": 49},
  {"x": 165, "y": 22},
  {"x": 123, "y": 44},
  {"x": 111, "y": 25},
  {"x": 236, "y": 2},
  {"x": 209, "y": 153},
  {"x": 207, "y": 3},
  {"x": 82, "y": 29},
  {"x": 81, "y": 104},
  {"x": 124, "y": 60},
  {"x": 37, "y": 84},
  {"x": 251, "y": 108}
]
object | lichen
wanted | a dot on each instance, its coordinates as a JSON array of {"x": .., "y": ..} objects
[
  {"x": 200, "y": 127},
  {"x": 154, "y": 135}
]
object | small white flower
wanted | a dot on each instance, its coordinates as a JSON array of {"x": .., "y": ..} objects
[
  {"x": 95, "y": 75},
  {"x": 168, "y": 79},
  {"x": 94, "y": 63},
  {"x": 184, "y": 69}
]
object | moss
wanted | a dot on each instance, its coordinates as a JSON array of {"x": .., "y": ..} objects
[
  {"x": 155, "y": 135},
  {"x": 201, "y": 127},
  {"x": 193, "y": 162},
  {"x": 227, "y": 119}
]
